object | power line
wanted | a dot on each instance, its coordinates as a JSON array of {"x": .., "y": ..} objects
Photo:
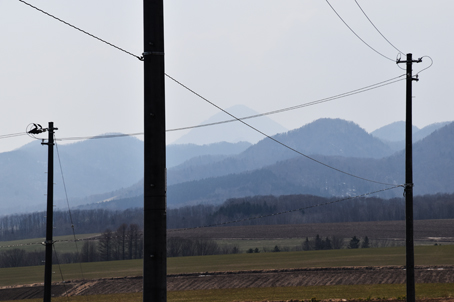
[
  {"x": 279, "y": 142},
  {"x": 377, "y": 28},
  {"x": 69, "y": 208},
  {"x": 81, "y": 30},
  {"x": 431, "y": 63},
  {"x": 316, "y": 102},
  {"x": 59, "y": 268},
  {"x": 78, "y": 138},
  {"x": 140, "y": 58},
  {"x": 4, "y": 136},
  {"x": 285, "y": 212},
  {"x": 358, "y": 35}
]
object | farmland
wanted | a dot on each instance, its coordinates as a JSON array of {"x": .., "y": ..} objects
[
  {"x": 344, "y": 273},
  {"x": 264, "y": 271}
]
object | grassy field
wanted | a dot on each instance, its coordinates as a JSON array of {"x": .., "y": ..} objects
[
  {"x": 63, "y": 244},
  {"x": 424, "y": 255},
  {"x": 365, "y": 292}
]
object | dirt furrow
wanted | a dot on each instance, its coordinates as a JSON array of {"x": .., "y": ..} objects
[{"x": 246, "y": 279}]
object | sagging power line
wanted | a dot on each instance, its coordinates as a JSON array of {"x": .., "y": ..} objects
[
  {"x": 351, "y": 29},
  {"x": 281, "y": 143},
  {"x": 312, "y": 103},
  {"x": 234, "y": 117},
  {"x": 377, "y": 28}
]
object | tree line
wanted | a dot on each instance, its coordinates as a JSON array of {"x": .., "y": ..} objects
[
  {"x": 125, "y": 243},
  {"x": 122, "y": 244},
  {"x": 33, "y": 225}
]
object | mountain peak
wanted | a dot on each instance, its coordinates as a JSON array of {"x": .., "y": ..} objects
[{"x": 232, "y": 132}]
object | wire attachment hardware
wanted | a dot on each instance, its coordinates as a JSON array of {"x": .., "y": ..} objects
[
  {"x": 407, "y": 187},
  {"x": 148, "y": 53}
]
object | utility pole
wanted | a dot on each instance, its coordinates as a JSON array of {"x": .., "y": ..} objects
[
  {"x": 155, "y": 185},
  {"x": 408, "y": 191},
  {"x": 50, "y": 211}
]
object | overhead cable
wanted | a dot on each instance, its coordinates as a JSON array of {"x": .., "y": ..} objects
[
  {"x": 69, "y": 208},
  {"x": 279, "y": 142},
  {"x": 81, "y": 30},
  {"x": 377, "y": 28},
  {"x": 388, "y": 58},
  {"x": 431, "y": 63},
  {"x": 4, "y": 136},
  {"x": 323, "y": 100}
]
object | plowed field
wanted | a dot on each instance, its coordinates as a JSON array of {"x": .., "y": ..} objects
[{"x": 242, "y": 279}]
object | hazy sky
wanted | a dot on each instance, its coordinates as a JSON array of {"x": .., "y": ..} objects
[{"x": 264, "y": 54}]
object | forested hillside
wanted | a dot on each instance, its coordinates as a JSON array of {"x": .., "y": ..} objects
[
  {"x": 94, "y": 170},
  {"x": 257, "y": 210},
  {"x": 101, "y": 170},
  {"x": 328, "y": 137},
  {"x": 433, "y": 162}
]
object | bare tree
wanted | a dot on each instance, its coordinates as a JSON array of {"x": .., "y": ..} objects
[
  {"x": 120, "y": 241},
  {"x": 89, "y": 252},
  {"x": 105, "y": 245}
]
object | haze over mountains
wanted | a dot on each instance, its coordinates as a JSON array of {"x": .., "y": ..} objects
[
  {"x": 112, "y": 169},
  {"x": 231, "y": 132},
  {"x": 394, "y": 134}
]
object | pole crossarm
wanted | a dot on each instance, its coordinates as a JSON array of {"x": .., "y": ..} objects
[{"x": 410, "y": 62}]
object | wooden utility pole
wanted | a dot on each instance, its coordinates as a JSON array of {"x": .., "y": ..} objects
[
  {"x": 50, "y": 213},
  {"x": 155, "y": 258},
  {"x": 408, "y": 191}
]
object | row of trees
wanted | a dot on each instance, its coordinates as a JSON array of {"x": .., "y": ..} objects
[
  {"x": 178, "y": 246},
  {"x": 334, "y": 242},
  {"x": 32, "y": 225},
  {"x": 125, "y": 243}
]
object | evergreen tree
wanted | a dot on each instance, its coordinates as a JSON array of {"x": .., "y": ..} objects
[
  {"x": 365, "y": 243},
  {"x": 307, "y": 245},
  {"x": 328, "y": 245},
  {"x": 354, "y": 243},
  {"x": 318, "y": 243}
]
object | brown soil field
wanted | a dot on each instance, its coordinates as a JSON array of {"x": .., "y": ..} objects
[
  {"x": 424, "y": 230},
  {"x": 242, "y": 279},
  {"x": 439, "y": 230}
]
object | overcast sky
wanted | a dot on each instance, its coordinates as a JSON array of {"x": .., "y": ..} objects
[{"x": 263, "y": 54}]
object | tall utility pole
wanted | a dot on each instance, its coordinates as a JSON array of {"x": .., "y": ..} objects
[
  {"x": 50, "y": 213},
  {"x": 155, "y": 258},
  {"x": 410, "y": 262}
]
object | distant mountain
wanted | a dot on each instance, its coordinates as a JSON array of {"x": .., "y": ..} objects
[
  {"x": 89, "y": 167},
  {"x": 394, "y": 134},
  {"x": 422, "y": 133},
  {"x": 178, "y": 154},
  {"x": 94, "y": 170},
  {"x": 433, "y": 165},
  {"x": 232, "y": 132},
  {"x": 322, "y": 137},
  {"x": 329, "y": 137}
]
